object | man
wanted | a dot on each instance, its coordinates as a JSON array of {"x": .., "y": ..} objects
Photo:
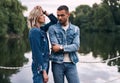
[{"x": 65, "y": 41}]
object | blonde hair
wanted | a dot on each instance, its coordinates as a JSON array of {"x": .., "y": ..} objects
[{"x": 33, "y": 16}]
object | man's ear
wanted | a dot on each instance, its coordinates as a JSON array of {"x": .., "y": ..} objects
[{"x": 68, "y": 14}]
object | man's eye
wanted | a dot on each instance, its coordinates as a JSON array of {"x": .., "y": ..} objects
[{"x": 61, "y": 15}]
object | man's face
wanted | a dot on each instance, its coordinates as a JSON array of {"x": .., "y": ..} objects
[{"x": 63, "y": 16}]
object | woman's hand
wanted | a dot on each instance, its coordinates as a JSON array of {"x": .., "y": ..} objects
[
  {"x": 45, "y": 76},
  {"x": 45, "y": 12}
]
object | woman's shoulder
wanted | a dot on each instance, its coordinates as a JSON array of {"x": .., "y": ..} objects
[{"x": 33, "y": 30}]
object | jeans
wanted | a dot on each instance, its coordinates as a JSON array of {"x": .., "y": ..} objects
[
  {"x": 65, "y": 69},
  {"x": 37, "y": 76}
]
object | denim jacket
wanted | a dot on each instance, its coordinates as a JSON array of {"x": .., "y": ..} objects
[
  {"x": 39, "y": 43},
  {"x": 70, "y": 40}
]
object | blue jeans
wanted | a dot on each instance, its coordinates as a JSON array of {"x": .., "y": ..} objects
[
  {"x": 37, "y": 76},
  {"x": 65, "y": 69}
]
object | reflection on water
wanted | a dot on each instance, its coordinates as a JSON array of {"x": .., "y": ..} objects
[
  {"x": 11, "y": 54},
  {"x": 97, "y": 72},
  {"x": 25, "y": 74},
  {"x": 94, "y": 47},
  {"x": 88, "y": 72},
  {"x": 104, "y": 45}
]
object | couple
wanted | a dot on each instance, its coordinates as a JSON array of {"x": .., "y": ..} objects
[{"x": 64, "y": 38}]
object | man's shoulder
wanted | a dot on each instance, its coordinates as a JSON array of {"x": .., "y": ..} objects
[
  {"x": 74, "y": 26},
  {"x": 54, "y": 26}
]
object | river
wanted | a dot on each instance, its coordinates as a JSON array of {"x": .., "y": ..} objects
[{"x": 98, "y": 55}]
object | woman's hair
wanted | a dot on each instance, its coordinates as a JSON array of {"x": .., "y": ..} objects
[{"x": 33, "y": 16}]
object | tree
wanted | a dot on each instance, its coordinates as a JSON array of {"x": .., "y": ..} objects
[
  {"x": 13, "y": 20},
  {"x": 114, "y": 6},
  {"x": 102, "y": 17},
  {"x": 96, "y": 18},
  {"x": 81, "y": 16}
]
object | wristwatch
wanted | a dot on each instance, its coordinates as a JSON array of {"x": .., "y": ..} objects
[{"x": 61, "y": 47}]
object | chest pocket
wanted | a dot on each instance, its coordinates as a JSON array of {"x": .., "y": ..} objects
[
  {"x": 59, "y": 37},
  {"x": 70, "y": 37}
]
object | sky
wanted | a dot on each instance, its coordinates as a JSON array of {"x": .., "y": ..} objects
[{"x": 52, "y": 5}]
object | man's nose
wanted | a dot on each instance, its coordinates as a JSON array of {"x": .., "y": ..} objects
[{"x": 59, "y": 17}]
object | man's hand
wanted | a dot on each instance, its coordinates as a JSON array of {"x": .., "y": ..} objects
[{"x": 56, "y": 47}]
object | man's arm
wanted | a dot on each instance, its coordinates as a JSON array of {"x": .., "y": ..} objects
[
  {"x": 74, "y": 46},
  {"x": 52, "y": 35}
]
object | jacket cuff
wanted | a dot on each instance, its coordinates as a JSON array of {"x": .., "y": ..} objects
[{"x": 41, "y": 68}]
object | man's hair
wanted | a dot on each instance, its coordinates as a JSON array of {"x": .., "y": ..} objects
[{"x": 63, "y": 7}]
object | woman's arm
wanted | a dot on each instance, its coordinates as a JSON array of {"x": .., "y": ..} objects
[
  {"x": 53, "y": 20},
  {"x": 35, "y": 43}
]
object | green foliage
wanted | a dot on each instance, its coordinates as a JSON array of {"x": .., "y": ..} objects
[
  {"x": 12, "y": 20},
  {"x": 103, "y": 18},
  {"x": 104, "y": 45},
  {"x": 12, "y": 55},
  {"x": 99, "y": 17},
  {"x": 114, "y": 6},
  {"x": 3, "y": 21},
  {"x": 81, "y": 15}
]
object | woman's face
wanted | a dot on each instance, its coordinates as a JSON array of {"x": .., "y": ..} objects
[{"x": 41, "y": 19}]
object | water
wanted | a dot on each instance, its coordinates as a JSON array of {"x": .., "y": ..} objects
[
  {"x": 94, "y": 47},
  {"x": 88, "y": 72}
]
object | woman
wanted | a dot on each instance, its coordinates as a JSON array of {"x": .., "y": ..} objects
[{"x": 39, "y": 43}]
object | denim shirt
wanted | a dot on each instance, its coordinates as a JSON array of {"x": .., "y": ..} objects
[
  {"x": 39, "y": 43},
  {"x": 70, "y": 40}
]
